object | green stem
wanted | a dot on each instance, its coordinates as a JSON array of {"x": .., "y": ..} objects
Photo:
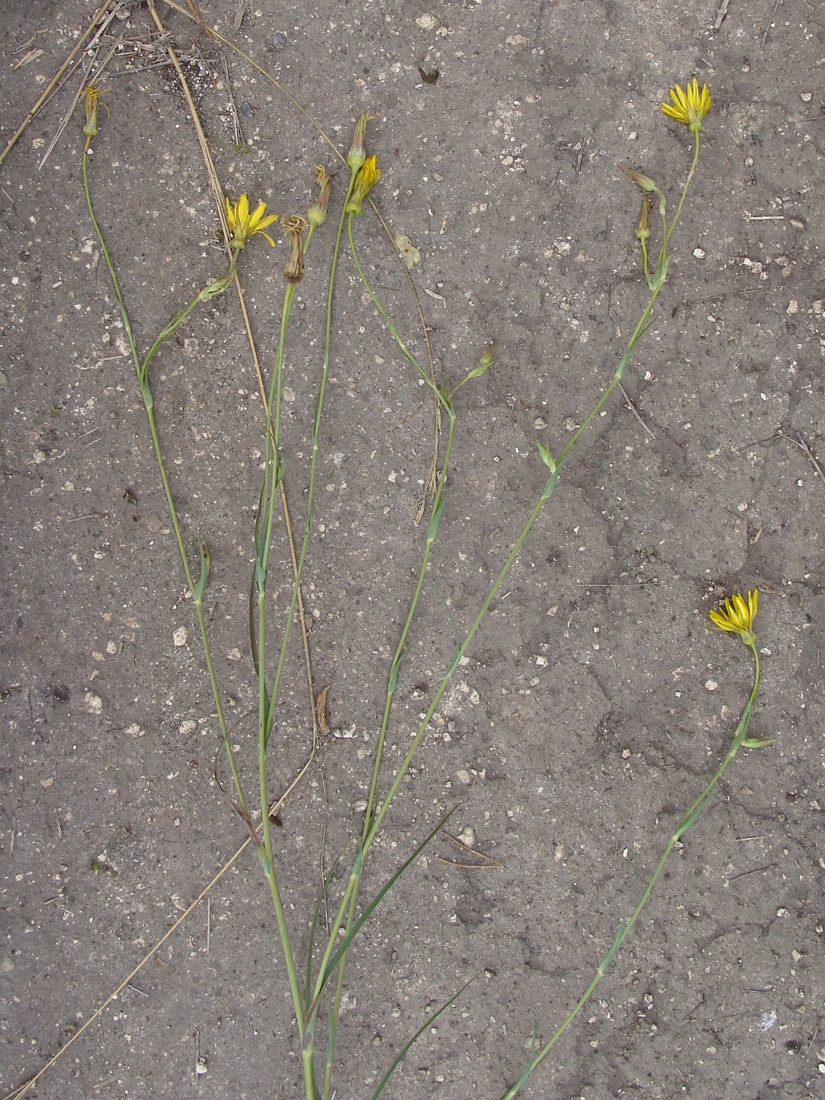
[
  {"x": 688, "y": 820},
  {"x": 316, "y": 438},
  {"x": 435, "y": 515},
  {"x": 690, "y": 176},
  {"x": 388, "y": 322},
  {"x": 177, "y": 321},
  {"x": 121, "y": 305},
  {"x": 272, "y": 474},
  {"x": 267, "y": 701},
  {"x": 142, "y": 372}
]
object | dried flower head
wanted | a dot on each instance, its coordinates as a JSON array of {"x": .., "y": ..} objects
[
  {"x": 737, "y": 616},
  {"x": 90, "y": 99},
  {"x": 689, "y": 106},
  {"x": 317, "y": 213},
  {"x": 243, "y": 225},
  {"x": 294, "y": 269}
]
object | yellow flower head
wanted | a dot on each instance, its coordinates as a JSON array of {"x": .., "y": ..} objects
[
  {"x": 243, "y": 225},
  {"x": 90, "y": 99},
  {"x": 368, "y": 175},
  {"x": 737, "y": 616},
  {"x": 689, "y": 106}
]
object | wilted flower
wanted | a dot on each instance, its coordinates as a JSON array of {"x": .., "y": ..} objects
[
  {"x": 91, "y": 97},
  {"x": 366, "y": 179},
  {"x": 294, "y": 269},
  {"x": 689, "y": 106},
  {"x": 737, "y": 616},
  {"x": 317, "y": 213},
  {"x": 243, "y": 225},
  {"x": 643, "y": 228}
]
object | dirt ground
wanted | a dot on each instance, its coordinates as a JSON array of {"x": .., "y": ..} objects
[{"x": 597, "y": 699}]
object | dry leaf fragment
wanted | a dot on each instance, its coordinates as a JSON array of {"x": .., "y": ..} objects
[{"x": 409, "y": 253}]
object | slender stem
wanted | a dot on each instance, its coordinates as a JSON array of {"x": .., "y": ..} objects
[
  {"x": 142, "y": 372},
  {"x": 198, "y": 600},
  {"x": 688, "y": 820},
  {"x": 690, "y": 176},
  {"x": 435, "y": 515},
  {"x": 121, "y": 305},
  {"x": 316, "y": 437},
  {"x": 177, "y": 321},
  {"x": 388, "y": 321},
  {"x": 438, "y": 502},
  {"x": 272, "y": 475},
  {"x": 267, "y": 700}
]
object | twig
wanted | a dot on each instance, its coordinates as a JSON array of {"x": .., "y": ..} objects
[
  {"x": 240, "y": 139},
  {"x": 767, "y": 30},
  {"x": 487, "y": 862},
  {"x": 635, "y": 411},
  {"x": 803, "y": 446},
  {"x": 721, "y": 14}
]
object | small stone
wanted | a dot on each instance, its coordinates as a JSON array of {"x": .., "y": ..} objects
[{"x": 93, "y": 703}]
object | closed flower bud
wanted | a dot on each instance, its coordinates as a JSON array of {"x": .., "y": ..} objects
[
  {"x": 358, "y": 150},
  {"x": 645, "y": 182}
]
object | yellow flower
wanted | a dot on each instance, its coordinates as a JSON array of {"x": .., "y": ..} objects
[
  {"x": 737, "y": 616},
  {"x": 368, "y": 175},
  {"x": 689, "y": 106},
  {"x": 243, "y": 225}
]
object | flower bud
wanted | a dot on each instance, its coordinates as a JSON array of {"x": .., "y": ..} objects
[
  {"x": 643, "y": 181},
  {"x": 358, "y": 150}
]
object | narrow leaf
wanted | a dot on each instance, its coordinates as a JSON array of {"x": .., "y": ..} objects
[
  {"x": 403, "y": 1053},
  {"x": 200, "y": 587},
  {"x": 385, "y": 889}
]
